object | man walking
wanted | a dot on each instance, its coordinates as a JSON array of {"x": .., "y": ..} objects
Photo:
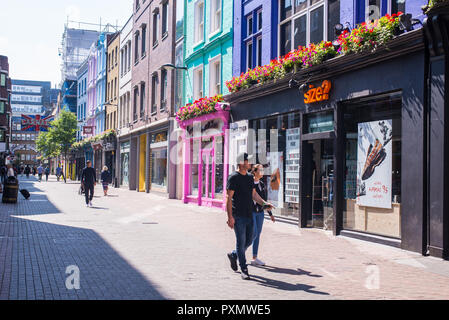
[
  {"x": 40, "y": 171},
  {"x": 58, "y": 172},
  {"x": 47, "y": 172},
  {"x": 239, "y": 205},
  {"x": 88, "y": 181}
]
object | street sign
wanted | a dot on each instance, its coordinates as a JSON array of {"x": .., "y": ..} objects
[{"x": 88, "y": 130}]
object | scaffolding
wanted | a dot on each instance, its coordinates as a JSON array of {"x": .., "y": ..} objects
[{"x": 76, "y": 42}]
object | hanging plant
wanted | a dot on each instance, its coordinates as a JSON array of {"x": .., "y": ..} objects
[{"x": 198, "y": 108}]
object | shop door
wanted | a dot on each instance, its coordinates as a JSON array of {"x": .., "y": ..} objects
[
  {"x": 318, "y": 181},
  {"x": 206, "y": 174}
]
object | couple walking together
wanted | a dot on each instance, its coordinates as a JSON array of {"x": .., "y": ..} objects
[{"x": 246, "y": 195}]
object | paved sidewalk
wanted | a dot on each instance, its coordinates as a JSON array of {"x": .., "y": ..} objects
[{"x": 143, "y": 246}]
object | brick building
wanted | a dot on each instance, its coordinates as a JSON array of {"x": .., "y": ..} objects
[{"x": 5, "y": 109}]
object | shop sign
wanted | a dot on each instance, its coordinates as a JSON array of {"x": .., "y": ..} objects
[
  {"x": 374, "y": 164},
  {"x": 318, "y": 94},
  {"x": 88, "y": 130},
  {"x": 207, "y": 127}
]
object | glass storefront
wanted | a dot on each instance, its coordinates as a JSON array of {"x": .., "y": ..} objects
[
  {"x": 277, "y": 148},
  {"x": 124, "y": 163},
  {"x": 372, "y": 177},
  {"x": 159, "y": 161}
]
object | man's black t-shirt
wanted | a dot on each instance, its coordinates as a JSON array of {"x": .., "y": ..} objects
[
  {"x": 242, "y": 201},
  {"x": 89, "y": 176}
]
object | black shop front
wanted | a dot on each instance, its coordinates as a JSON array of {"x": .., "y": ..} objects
[{"x": 346, "y": 151}]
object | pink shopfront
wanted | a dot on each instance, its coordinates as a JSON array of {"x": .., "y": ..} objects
[{"x": 205, "y": 170}]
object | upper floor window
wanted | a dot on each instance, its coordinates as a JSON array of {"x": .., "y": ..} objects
[
  {"x": 249, "y": 25},
  {"x": 144, "y": 36},
  {"x": 142, "y": 99},
  {"x": 179, "y": 19},
  {"x": 154, "y": 82},
  {"x": 155, "y": 27},
  {"x": 198, "y": 83},
  {"x": 259, "y": 20},
  {"x": 2, "y": 79},
  {"x": 374, "y": 9},
  {"x": 136, "y": 47},
  {"x": 136, "y": 93},
  {"x": 2, "y": 107},
  {"x": 303, "y": 22},
  {"x": 215, "y": 76},
  {"x": 164, "y": 18},
  {"x": 199, "y": 21},
  {"x": 249, "y": 55},
  {"x": 164, "y": 85},
  {"x": 215, "y": 16}
]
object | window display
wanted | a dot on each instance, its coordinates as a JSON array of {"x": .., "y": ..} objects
[
  {"x": 278, "y": 150},
  {"x": 372, "y": 184}
]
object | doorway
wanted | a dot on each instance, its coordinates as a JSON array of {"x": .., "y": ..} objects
[{"x": 318, "y": 183}]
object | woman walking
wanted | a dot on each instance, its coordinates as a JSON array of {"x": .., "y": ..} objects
[
  {"x": 106, "y": 179},
  {"x": 258, "y": 214}
]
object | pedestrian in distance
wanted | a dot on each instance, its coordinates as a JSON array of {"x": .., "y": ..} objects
[
  {"x": 241, "y": 193},
  {"x": 258, "y": 212},
  {"x": 40, "y": 171},
  {"x": 88, "y": 182},
  {"x": 106, "y": 179},
  {"x": 47, "y": 172},
  {"x": 27, "y": 171},
  {"x": 58, "y": 172},
  {"x": 3, "y": 172},
  {"x": 34, "y": 170}
]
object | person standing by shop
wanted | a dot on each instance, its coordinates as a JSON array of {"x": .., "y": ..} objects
[
  {"x": 10, "y": 172},
  {"x": 106, "y": 180},
  {"x": 258, "y": 212},
  {"x": 89, "y": 181},
  {"x": 239, "y": 206},
  {"x": 3, "y": 173},
  {"x": 47, "y": 172},
  {"x": 40, "y": 171}
]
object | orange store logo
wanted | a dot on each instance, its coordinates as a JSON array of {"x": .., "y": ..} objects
[{"x": 319, "y": 93}]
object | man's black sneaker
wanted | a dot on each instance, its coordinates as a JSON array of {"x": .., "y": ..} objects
[
  {"x": 233, "y": 259},
  {"x": 245, "y": 275}
]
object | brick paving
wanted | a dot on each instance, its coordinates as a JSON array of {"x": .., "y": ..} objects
[{"x": 143, "y": 246}]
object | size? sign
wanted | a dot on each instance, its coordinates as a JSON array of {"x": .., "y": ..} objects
[{"x": 319, "y": 93}]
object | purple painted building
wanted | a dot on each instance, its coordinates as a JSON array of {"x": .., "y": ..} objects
[{"x": 266, "y": 29}]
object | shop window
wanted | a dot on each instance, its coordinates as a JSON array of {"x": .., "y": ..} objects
[
  {"x": 319, "y": 122},
  {"x": 277, "y": 148},
  {"x": 372, "y": 181},
  {"x": 159, "y": 167},
  {"x": 194, "y": 160},
  {"x": 397, "y": 6},
  {"x": 333, "y": 17}
]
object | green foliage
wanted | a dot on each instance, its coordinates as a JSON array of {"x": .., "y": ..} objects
[
  {"x": 46, "y": 146},
  {"x": 60, "y": 136}
]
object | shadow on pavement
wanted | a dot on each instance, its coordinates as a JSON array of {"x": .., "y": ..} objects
[
  {"x": 289, "y": 271},
  {"x": 35, "y": 257},
  {"x": 281, "y": 285}
]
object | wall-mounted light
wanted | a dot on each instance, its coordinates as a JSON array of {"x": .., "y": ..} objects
[{"x": 406, "y": 22}]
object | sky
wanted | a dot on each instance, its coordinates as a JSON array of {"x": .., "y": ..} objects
[{"x": 31, "y": 32}]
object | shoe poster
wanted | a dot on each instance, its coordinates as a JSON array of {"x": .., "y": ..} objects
[
  {"x": 275, "y": 180},
  {"x": 374, "y": 162}
]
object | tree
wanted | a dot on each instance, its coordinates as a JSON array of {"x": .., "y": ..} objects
[
  {"x": 60, "y": 136},
  {"x": 46, "y": 146}
]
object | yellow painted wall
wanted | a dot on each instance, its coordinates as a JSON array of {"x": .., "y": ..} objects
[{"x": 143, "y": 144}]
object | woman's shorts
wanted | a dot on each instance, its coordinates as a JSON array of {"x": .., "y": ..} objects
[{"x": 105, "y": 185}]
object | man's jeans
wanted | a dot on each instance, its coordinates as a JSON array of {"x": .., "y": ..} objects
[
  {"x": 244, "y": 230},
  {"x": 88, "y": 192}
]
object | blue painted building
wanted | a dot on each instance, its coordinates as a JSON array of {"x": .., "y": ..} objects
[
  {"x": 255, "y": 33},
  {"x": 266, "y": 29},
  {"x": 81, "y": 108},
  {"x": 100, "y": 84}
]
